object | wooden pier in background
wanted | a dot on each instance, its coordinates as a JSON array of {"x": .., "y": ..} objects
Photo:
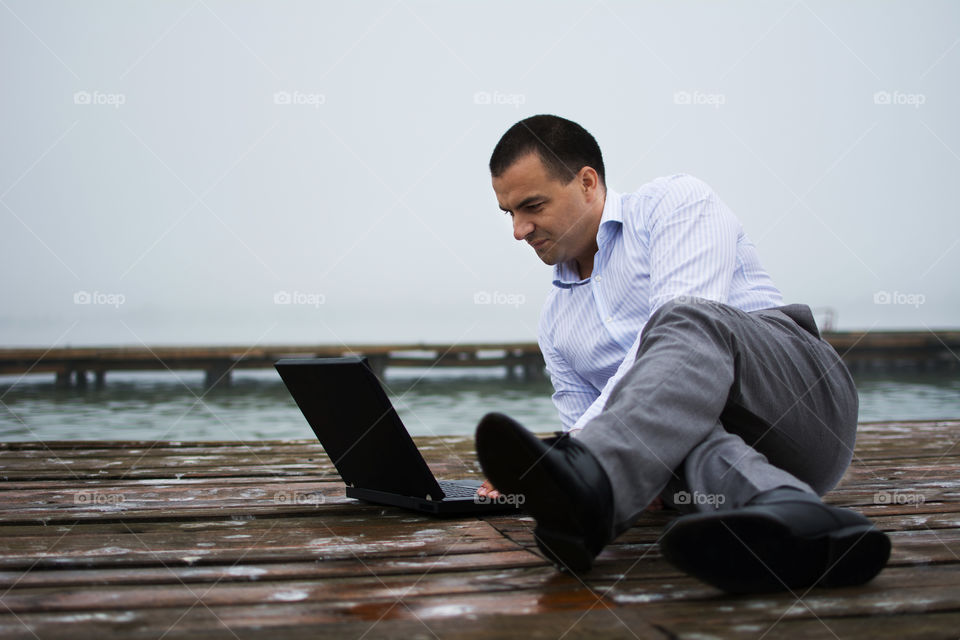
[
  {"x": 74, "y": 366},
  {"x": 256, "y": 540},
  {"x": 862, "y": 351}
]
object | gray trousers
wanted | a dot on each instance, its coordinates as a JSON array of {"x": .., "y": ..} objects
[{"x": 722, "y": 405}]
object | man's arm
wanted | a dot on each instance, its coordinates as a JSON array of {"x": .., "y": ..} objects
[
  {"x": 693, "y": 249},
  {"x": 572, "y": 395},
  {"x": 693, "y": 245}
]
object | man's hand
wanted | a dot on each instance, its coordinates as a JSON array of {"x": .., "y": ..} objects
[{"x": 486, "y": 490}]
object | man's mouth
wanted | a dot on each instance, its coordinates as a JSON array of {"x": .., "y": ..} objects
[{"x": 536, "y": 244}]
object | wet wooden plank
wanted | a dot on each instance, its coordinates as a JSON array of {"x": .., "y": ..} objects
[
  {"x": 481, "y": 618},
  {"x": 333, "y": 594},
  {"x": 926, "y": 625},
  {"x": 250, "y": 571},
  {"x": 118, "y": 539},
  {"x": 325, "y": 538},
  {"x": 448, "y": 457}
]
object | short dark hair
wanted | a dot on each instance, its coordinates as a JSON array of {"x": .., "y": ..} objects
[{"x": 564, "y": 147}]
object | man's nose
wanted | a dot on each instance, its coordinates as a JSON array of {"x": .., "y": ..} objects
[{"x": 521, "y": 228}]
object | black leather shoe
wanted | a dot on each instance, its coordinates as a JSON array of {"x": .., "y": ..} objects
[
  {"x": 782, "y": 539},
  {"x": 563, "y": 487}
]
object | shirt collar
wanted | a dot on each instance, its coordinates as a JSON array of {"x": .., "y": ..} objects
[
  {"x": 565, "y": 274},
  {"x": 611, "y": 219}
]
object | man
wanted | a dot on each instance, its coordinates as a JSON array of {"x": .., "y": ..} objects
[{"x": 682, "y": 376}]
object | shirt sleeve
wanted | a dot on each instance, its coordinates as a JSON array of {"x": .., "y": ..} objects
[
  {"x": 601, "y": 400},
  {"x": 693, "y": 248},
  {"x": 693, "y": 245},
  {"x": 572, "y": 394}
]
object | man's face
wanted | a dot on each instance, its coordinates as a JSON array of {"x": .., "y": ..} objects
[{"x": 558, "y": 220}]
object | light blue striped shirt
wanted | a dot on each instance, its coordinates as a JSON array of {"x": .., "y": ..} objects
[{"x": 671, "y": 238}]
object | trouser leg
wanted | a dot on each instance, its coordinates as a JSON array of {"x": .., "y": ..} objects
[
  {"x": 724, "y": 402},
  {"x": 722, "y": 472}
]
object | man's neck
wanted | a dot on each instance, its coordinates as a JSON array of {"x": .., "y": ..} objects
[
  {"x": 585, "y": 266},
  {"x": 584, "y": 263}
]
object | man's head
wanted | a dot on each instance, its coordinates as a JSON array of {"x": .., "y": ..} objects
[
  {"x": 564, "y": 147},
  {"x": 548, "y": 175}
]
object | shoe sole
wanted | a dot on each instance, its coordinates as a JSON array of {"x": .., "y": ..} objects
[
  {"x": 508, "y": 459},
  {"x": 754, "y": 553}
]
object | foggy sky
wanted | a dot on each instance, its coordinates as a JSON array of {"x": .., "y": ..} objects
[{"x": 194, "y": 172}]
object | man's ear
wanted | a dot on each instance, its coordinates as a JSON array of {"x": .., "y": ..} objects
[{"x": 589, "y": 182}]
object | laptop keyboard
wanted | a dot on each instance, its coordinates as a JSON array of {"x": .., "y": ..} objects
[{"x": 453, "y": 490}]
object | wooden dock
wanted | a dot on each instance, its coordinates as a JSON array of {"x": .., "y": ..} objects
[
  {"x": 74, "y": 366},
  {"x": 256, "y": 540}
]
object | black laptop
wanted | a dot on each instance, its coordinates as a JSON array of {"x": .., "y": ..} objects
[{"x": 359, "y": 429}]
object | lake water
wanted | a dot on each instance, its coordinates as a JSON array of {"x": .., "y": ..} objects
[{"x": 167, "y": 406}]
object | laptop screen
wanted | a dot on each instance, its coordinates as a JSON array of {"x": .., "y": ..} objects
[{"x": 357, "y": 425}]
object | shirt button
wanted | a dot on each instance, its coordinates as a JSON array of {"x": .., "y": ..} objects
[
  {"x": 599, "y": 278},
  {"x": 609, "y": 318}
]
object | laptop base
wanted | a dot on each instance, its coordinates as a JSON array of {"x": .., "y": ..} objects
[{"x": 447, "y": 506}]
